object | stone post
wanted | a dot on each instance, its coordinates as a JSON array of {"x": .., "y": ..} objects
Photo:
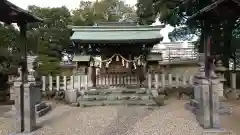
[
  {"x": 72, "y": 93},
  {"x": 177, "y": 80},
  {"x": 197, "y": 79},
  {"x": 64, "y": 83},
  {"x": 163, "y": 80},
  {"x": 191, "y": 80},
  {"x": 215, "y": 103},
  {"x": 233, "y": 81},
  {"x": 19, "y": 117},
  {"x": 86, "y": 82},
  {"x": 219, "y": 70},
  {"x": 149, "y": 81},
  {"x": 170, "y": 80},
  {"x": 29, "y": 107},
  {"x": 203, "y": 109},
  {"x": 184, "y": 81},
  {"x": 43, "y": 83},
  {"x": 90, "y": 84},
  {"x": 50, "y": 83},
  {"x": 58, "y": 83},
  {"x": 79, "y": 85},
  {"x": 156, "y": 80},
  {"x": 26, "y": 98},
  {"x": 202, "y": 96},
  {"x": 72, "y": 82}
]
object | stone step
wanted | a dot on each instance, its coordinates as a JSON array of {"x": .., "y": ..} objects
[
  {"x": 44, "y": 110},
  {"x": 115, "y": 96},
  {"x": 110, "y": 91},
  {"x": 40, "y": 106},
  {"x": 117, "y": 102}
]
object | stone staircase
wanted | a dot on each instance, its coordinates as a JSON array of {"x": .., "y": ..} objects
[
  {"x": 42, "y": 109},
  {"x": 118, "y": 96}
]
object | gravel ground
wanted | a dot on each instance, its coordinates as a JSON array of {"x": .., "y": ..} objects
[{"x": 171, "y": 119}]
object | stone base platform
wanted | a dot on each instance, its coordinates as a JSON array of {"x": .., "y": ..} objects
[
  {"x": 223, "y": 107},
  {"x": 101, "y": 97},
  {"x": 220, "y": 130},
  {"x": 22, "y": 133}
]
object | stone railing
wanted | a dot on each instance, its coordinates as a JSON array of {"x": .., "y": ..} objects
[
  {"x": 57, "y": 83},
  {"x": 117, "y": 80}
]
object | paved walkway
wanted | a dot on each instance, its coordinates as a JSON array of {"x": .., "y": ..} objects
[{"x": 171, "y": 119}]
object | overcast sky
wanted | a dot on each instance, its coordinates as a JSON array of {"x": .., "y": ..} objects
[{"x": 72, "y": 4}]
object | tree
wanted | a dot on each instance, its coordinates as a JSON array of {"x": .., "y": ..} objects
[
  {"x": 9, "y": 53},
  {"x": 90, "y": 13},
  {"x": 51, "y": 37}
]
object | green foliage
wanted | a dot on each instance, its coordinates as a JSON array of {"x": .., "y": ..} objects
[
  {"x": 9, "y": 39},
  {"x": 52, "y": 36},
  {"x": 90, "y": 13}
]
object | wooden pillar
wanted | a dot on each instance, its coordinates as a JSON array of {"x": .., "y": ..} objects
[
  {"x": 23, "y": 30},
  {"x": 130, "y": 64},
  {"x": 93, "y": 76},
  {"x": 141, "y": 74}
]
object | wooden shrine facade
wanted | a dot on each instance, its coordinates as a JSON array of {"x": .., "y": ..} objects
[{"x": 117, "y": 50}]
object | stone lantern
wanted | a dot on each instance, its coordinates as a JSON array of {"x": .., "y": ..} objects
[{"x": 219, "y": 70}]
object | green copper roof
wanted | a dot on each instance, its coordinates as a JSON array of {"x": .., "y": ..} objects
[{"x": 116, "y": 33}]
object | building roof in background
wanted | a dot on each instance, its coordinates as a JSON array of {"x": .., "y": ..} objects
[
  {"x": 10, "y": 13},
  {"x": 120, "y": 33}
]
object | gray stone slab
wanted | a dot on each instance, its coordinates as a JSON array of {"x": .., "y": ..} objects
[
  {"x": 71, "y": 95},
  {"x": 100, "y": 98},
  {"x": 22, "y": 133},
  {"x": 88, "y": 98},
  {"x": 111, "y": 98},
  {"x": 216, "y": 130},
  {"x": 154, "y": 93}
]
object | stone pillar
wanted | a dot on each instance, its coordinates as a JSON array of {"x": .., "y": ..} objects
[
  {"x": 219, "y": 70},
  {"x": 19, "y": 117},
  {"x": 170, "y": 80},
  {"x": 215, "y": 103},
  {"x": 85, "y": 82},
  {"x": 191, "y": 80},
  {"x": 50, "y": 83},
  {"x": 90, "y": 84},
  {"x": 156, "y": 76},
  {"x": 163, "y": 80},
  {"x": 203, "y": 110},
  {"x": 29, "y": 107},
  {"x": 184, "y": 81},
  {"x": 79, "y": 85},
  {"x": 149, "y": 81},
  {"x": 43, "y": 83},
  {"x": 202, "y": 96},
  {"x": 233, "y": 81},
  {"x": 199, "y": 76},
  {"x": 64, "y": 83},
  {"x": 26, "y": 98},
  {"x": 72, "y": 82},
  {"x": 58, "y": 83},
  {"x": 177, "y": 80}
]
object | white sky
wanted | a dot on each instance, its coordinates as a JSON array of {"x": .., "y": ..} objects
[{"x": 72, "y": 4}]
